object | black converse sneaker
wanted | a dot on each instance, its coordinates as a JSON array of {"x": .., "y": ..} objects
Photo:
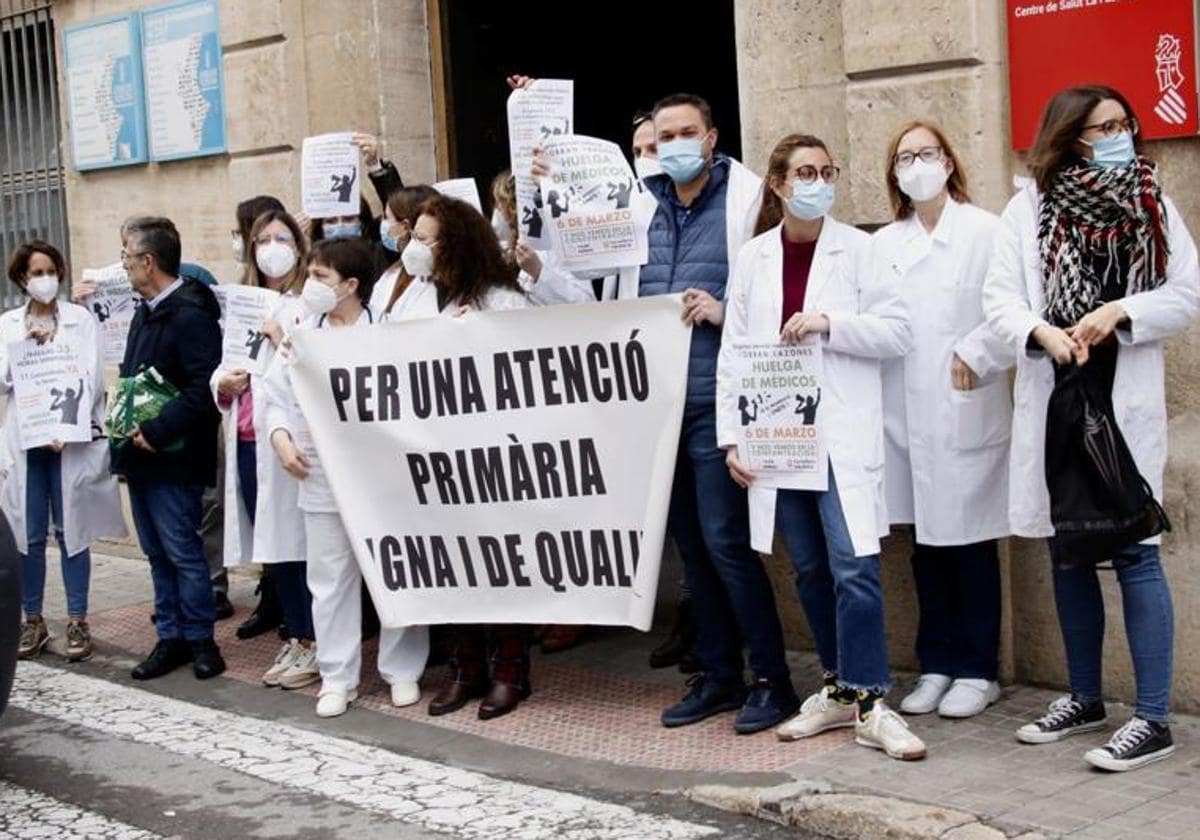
[
  {"x": 1137, "y": 743},
  {"x": 1067, "y": 716}
]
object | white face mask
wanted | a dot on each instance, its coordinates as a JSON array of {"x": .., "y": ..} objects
[
  {"x": 501, "y": 226},
  {"x": 417, "y": 259},
  {"x": 238, "y": 245},
  {"x": 275, "y": 259},
  {"x": 922, "y": 181},
  {"x": 646, "y": 167},
  {"x": 43, "y": 288},
  {"x": 317, "y": 297}
]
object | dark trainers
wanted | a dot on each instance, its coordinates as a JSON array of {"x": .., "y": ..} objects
[
  {"x": 706, "y": 698},
  {"x": 34, "y": 637},
  {"x": 1067, "y": 716},
  {"x": 167, "y": 655},
  {"x": 768, "y": 704},
  {"x": 1135, "y": 744},
  {"x": 79, "y": 640},
  {"x": 206, "y": 659}
]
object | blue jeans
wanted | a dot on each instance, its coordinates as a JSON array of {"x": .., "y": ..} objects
[
  {"x": 732, "y": 598},
  {"x": 289, "y": 579},
  {"x": 958, "y": 589},
  {"x": 841, "y": 594},
  {"x": 167, "y": 517},
  {"x": 43, "y": 503},
  {"x": 1149, "y": 627}
]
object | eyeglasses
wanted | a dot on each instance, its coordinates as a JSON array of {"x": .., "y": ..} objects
[
  {"x": 808, "y": 174},
  {"x": 929, "y": 154},
  {"x": 126, "y": 256},
  {"x": 1111, "y": 128}
]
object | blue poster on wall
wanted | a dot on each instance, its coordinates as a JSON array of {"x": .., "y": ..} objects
[
  {"x": 185, "y": 89},
  {"x": 102, "y": 66}
]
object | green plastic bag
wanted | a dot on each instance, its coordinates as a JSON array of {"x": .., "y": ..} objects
[{"x": 133, "y": 401}]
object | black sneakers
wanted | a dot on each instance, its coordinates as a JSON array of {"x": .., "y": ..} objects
[
  {"x": 1135, "y": 744},
  {"x": 1067, "y": 716}
]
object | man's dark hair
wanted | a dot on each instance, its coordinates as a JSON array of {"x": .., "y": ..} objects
[
  {"x": 155, "y": 235},
  {"x": 699, "y": 103}
]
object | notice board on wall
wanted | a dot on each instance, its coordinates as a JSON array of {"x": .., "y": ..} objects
[{"x": 1144, "y": 48}]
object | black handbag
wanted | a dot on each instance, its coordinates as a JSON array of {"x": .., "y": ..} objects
[{"x": 1099, "y": 502}]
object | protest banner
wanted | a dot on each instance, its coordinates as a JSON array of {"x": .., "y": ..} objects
[
  {"x": 484, "y": 475},
  {"x": 329, "y": 176},
  {"x": 588, "y": 199},
  {"x": 113, "y": 306},
  {"x": 51, "y": 392},
  {"x": 543, "y": 110},
  {"x": 243, "y": 310},
  {"x": 778, "y": 392}
]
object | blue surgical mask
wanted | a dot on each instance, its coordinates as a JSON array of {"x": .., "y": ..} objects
[
  {"x": 681, "y": 159},
  {"x": 385, "y": 236},
  {"x": 810, "y": 201},
  {"x": 1111, "y": 152},
  {"x": 336, "y": 230}
]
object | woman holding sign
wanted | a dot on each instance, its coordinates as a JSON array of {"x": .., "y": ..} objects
[
  {"x": 1093, "y": 270},
  {"x": 947, "y": 418},
  {"x": 807, "y": 278},
  {"x": 341, "y": 275},
  {"x": 262, "y": 522},
  {"x": 457, "y": 249},
  {"x": 67, "y": 483}
]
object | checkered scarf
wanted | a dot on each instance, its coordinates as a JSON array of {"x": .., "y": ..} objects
[{"x": 1090, "y": 216}]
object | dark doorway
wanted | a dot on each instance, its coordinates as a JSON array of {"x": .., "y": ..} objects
[{"x": 622, "y": 54}]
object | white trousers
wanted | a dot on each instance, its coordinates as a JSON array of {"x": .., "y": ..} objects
[{"x": 335, "y": 582}]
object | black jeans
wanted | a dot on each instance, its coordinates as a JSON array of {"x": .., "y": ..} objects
[{"x": 958, "y": 588}]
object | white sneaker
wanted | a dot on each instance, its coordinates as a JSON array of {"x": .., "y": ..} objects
[
  {"x": 405, "y": 694},
  {"x": 968, "y": 697},
  {"x": 334, "y": 702},
  {"x": 885, "y": 730},
  {"x": 283, "y": 661},
  {"x": 929, "y": 691},
  {"x": 819, "y": 713},
  {"x": 303, "y": 670}
]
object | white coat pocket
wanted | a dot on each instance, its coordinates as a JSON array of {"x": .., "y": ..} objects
[{"x": 981, "y": 417}]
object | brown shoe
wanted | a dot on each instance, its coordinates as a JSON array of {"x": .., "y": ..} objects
[
  {"x": 560, "y": 637},
  {"x": 456, "y": 693},
  {"x": 502, "y": 699},
  {"x": 34, "y": 637},
  {"x": 79, "y": 640}
]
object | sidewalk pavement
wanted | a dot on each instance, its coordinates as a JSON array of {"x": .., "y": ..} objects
[{"x": 598, "y": 705}]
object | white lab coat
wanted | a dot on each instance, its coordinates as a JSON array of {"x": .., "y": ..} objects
[
  {"x": 1013, "y": 301},
  {"x": 91, "y": 502},
  {"x": 555, "y": 283},
  {"x": 946, "y": 450},
  {"x": 277, "y": 534},
  {"x": 867, "y": 323},
  {"x": 743, "y": 198}
]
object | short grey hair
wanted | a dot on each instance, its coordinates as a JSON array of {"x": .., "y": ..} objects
[{"x": 158, "y": 236}]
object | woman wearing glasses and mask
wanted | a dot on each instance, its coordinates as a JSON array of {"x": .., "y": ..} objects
[
  {"x": 806, "y": 276},
  {"x": 947, "y": 419},
  {"x": 1095, "y": 267}
]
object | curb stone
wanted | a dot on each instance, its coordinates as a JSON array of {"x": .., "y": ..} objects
[{"x": 814, "y": 806}]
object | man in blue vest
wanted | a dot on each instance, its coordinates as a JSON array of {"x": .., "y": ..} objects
[{"x": 707, "y": 206}]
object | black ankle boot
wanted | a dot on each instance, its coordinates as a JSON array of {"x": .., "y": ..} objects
[
  {"x": 267, "y": 616},
  {"x": 679, "y": 642}
]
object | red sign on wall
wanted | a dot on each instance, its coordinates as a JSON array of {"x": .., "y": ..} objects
[{"x": 1144, "y": 48}]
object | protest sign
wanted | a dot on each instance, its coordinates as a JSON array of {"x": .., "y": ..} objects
[
  {"x": 51, "y": 392},
  {"x": 113, "y": 306},
  {"x": 535, "y": 114},
  {"x": 588, "y": 199},
  {"x": 778, "y": 392},
  {"x": 464, "y": 189},
  {"x": 244, "y": 309},
  {"x": 485, "y": 475},
  {"x": 329, "y": 176}
]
